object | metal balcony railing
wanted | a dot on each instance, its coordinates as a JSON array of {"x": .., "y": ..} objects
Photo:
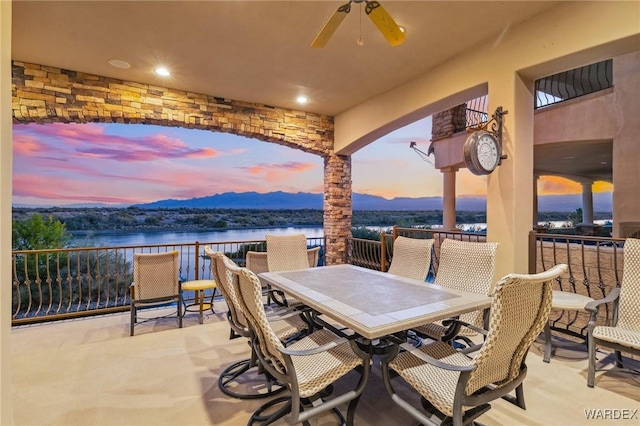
[
  {"x": 595, "y": 265},
  {"x": 74, "y": 282},
  {"x": 573, "y": 83},
  {"x": 477, "y": 112}
]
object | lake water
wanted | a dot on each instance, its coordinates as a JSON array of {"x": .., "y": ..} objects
[{"x": 114, "y": 239}]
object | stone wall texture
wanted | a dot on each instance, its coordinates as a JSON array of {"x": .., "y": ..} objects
[
  {"x": 337, "y": 206},
  {"x": 446, "y": 123},
  {"x": 43, "y": 94}
]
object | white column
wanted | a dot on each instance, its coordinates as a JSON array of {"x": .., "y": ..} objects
[
  {"x": 6, "y": 155},
  {"x": 510, "y": 186},
  {"x": 535, "y": 202},
  {"x": 449, "y": 198},
  {"x": 587, "y": 202}
]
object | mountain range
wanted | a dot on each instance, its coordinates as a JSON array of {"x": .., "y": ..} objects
[{"x": 602, "y": 202}]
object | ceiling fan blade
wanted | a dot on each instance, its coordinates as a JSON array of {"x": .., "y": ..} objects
[
  {"x": 385, "y": 23},
  {"x": 331, "y": 26}
]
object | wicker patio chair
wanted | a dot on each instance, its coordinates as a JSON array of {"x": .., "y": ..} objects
[
  {"x": 457, "y": 388},
  {"x": 156, "y": 282},
  {"x": 467, "y": 266},
  {"x": 286, "y": 253},
  {"x": 257, "y": 262},
  {"x": 308, "y": 366},
  {"x": 411, "y": 257},
  {"x": 286, "y": 327},
  {"x": 623, "y": 335}
]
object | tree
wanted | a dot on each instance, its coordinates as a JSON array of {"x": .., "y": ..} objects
[
  {"x": 36, "y": 233},
  {"x": 575, "y": 217}
]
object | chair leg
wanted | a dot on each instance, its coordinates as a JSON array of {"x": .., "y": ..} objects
[
  {"x": 351, "y": 411},
  {"x": 133, "y": 319},
  {"x": 547, "y": 342},
  {"x": 180, "y": 315},
  {"x": 592, "y": 360},
  {"x": 619, "y": 359}
]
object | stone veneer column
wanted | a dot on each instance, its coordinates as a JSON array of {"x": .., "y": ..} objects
[
  {"x": 337, "y": 207},
  {"x": 446, "y": 123}
]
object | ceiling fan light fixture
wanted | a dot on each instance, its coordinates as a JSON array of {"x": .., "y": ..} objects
[{"x": 374, "y": 10}]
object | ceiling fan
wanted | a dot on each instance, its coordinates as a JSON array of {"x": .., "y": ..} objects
[{"x": 374, "y": 10}]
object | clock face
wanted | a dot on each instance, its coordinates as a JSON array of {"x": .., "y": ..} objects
[
  {"x": 481, "y": 153},
  {"x": 487, "y": 150}
]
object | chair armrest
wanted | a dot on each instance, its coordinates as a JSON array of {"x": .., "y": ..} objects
[
  {"x": 287, "y": 313},
  {"x": 593, "y": 306},
  {"x": 436, "y": 363},
  {"x": 452, "y": 321},
  {"x": 319, "y": 349}
]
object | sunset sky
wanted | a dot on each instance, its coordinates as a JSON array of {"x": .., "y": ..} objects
[{"x": 59, "y": 164}]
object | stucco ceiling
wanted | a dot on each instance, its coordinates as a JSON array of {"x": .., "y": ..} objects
[
  {"x": 585, "y": 161},
  {"x": 258, "y": 51}
]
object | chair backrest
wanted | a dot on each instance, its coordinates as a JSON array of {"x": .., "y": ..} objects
[
  {"x": 257, "y": 260},
  {"x": 411, "y": 257},
  {"x": 156, "y": 275},
  {"x": 519, "y": 311},
  {"x": 628, "y": 316},
  {"x": 467, "y": 266},
  {"x": 224, "y": 279},
  {"x": 250, "y": 291},
  {"x": 287, "y": 252}
]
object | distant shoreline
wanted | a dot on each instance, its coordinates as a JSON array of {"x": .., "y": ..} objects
[{"x": 109, "y": 219}]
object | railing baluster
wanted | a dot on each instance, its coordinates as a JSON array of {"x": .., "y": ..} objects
[{"x": 97, "y": 279}]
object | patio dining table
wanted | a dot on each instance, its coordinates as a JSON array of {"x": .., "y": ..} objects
[{"x": 373, "y": 304}]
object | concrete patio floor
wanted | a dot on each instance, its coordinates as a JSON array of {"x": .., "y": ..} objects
[{"x": 90, "y": 372}]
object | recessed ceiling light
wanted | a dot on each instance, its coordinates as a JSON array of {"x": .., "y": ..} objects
[
  {"x": 119, "y": 63},
  {"x": 162, "y": 71},
  {"x": 402, "y": 29},
  {"x": 302, "y": 99}
]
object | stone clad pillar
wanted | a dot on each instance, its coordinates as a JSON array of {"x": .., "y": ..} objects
[
  {"x": 449, "y": 198},
  {"x": 337, "y": 207}
]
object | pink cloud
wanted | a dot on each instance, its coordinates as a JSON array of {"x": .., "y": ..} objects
[
  {"x": 90, "y": 141},
  {"x": 278, "y": 172},
  {"x": 64, "y": 189}
]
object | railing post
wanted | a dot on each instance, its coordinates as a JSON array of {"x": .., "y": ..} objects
[
  {"x": 383, "y": 252},
  {"x": 197, "y": 274},
  {"x": 532, "y": 252}
]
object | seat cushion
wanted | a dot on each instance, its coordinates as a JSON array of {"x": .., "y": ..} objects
[
  {"x": 621, "y": 336},
  {"x": 316, "y": 372},
  {"x": 288, "y": 327},
  {"x": 437, "y": 385}
]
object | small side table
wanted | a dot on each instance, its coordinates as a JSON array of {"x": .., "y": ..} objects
[
  {"x": 198, "y": 287},
  {"x": 567, "y": 301}
]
